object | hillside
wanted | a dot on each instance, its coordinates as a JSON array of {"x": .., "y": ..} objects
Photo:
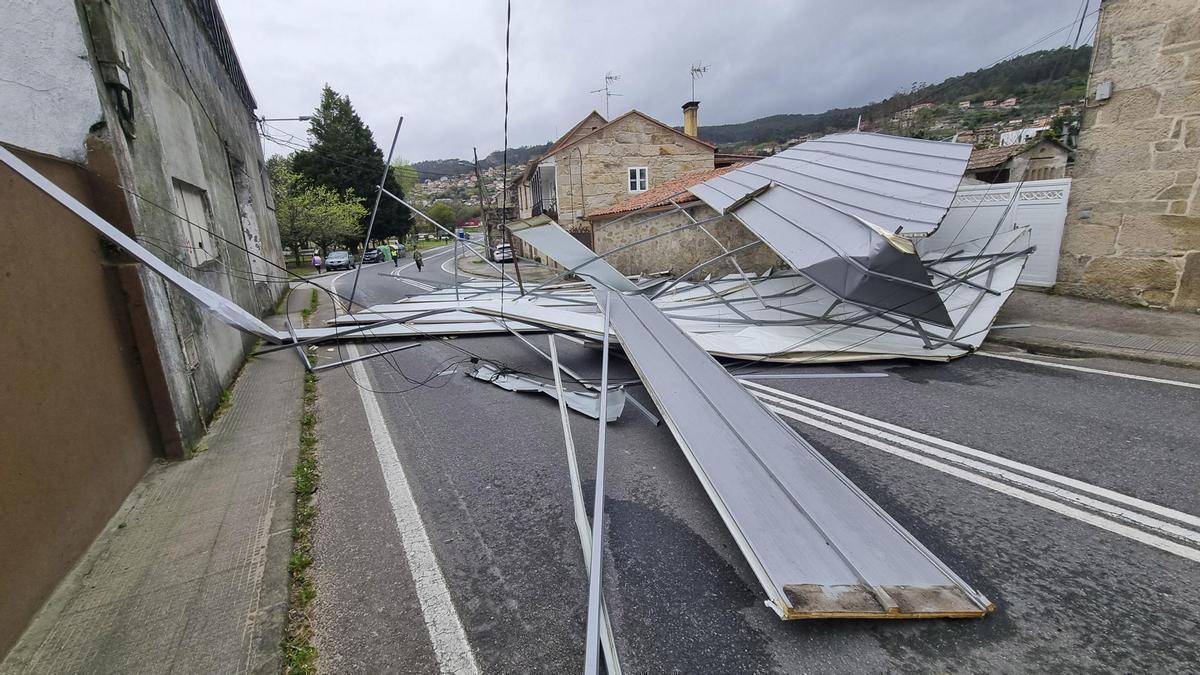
[
  {"x": 1041, "y": 80},
  {"x": 436, "y": 168}
]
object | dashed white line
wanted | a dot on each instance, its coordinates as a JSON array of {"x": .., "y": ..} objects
[
  {"x": 1085, "y": 369},
  {"x": 450, "y": 644}
]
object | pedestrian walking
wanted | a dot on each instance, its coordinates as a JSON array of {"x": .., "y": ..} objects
[
  {"x": 418, "y": 259},
  {"x": 395, "y": 251},
  {"x": 316, "y": 262}
]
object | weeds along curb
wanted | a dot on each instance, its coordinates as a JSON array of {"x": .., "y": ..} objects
[{"x": 299, "y": 653}]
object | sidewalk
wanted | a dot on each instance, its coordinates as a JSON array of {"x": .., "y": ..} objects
[
  {"x": 191, "y": 574},
  {"x": 1068, "y": 326}
]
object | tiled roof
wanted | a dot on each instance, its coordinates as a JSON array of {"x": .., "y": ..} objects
[
  {"x": 986, "y": 158},
  {"x": 663, "y": 191}
]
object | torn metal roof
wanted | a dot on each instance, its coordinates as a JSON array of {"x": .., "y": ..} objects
[
  {"x": 835, "y": 206},
  {"x": 819, "y": 546}
]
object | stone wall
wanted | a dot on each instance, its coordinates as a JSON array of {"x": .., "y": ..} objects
[
  {"x": 594, "y": 174},
  {"x": 680, "y": 252},
  {"x": 1133, "y": 224}
]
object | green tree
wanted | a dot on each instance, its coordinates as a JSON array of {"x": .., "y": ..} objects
[
  {"x": 312, "y": 213},
  {"x": 406, "y": 176},
  {"x": 343, "y": 157},
  {"x": 443, "y": 213}
]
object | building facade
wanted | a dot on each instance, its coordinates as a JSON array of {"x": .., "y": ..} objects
[
  {"x": 687, "y": 251},
  {"x": 599, "y": 163},
  {"x": 1039, "y": 159},
  {"x": 140, "y": 110},
  {"x": 1133, "y": 222}
]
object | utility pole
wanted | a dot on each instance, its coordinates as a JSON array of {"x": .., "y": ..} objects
[
  {"x": 698, "y": 71},
  {"x": 609, "y": 78},
  {"x": 487, "y": 227}
]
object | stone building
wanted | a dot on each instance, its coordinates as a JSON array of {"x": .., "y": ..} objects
[
  {"x": 598, "y": 163},
  {"x": 140, "y": 110},
  {"x": 681, "y": 252},
  {"x": 1039, "y": 159},
  {"x": 1133, "y": 224}
]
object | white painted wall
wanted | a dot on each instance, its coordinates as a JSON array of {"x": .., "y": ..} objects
[
  {"x": 48, "y": 97},
  {"x": 1040, "y": 204}
]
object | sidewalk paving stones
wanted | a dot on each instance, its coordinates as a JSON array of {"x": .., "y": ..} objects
[{"x": 1068, "y": 326}]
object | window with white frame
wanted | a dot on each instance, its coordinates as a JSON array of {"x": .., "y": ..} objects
[
  {"x": 638, "y": 178},
  {"x": 195, "y": 216}
]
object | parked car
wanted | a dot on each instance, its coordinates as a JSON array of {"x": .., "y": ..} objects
[
  {"x": 503, "y": 253},
  {"x": 372, "y": 255},
  {"x": 339, "y": 260}
]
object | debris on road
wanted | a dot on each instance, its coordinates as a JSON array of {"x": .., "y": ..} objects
[{"x": 585, "y": 402}]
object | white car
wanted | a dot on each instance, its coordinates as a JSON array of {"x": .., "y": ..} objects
[{"x": 503, "y": 253}]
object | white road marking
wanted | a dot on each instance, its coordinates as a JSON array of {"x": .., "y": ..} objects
[
  {"x": 1097, "y": 371},
  {"x": 431, "y": 254},
  {"x": 1014, "y": 485},
  {"x": 419, "y": 284},
  {"x": 450, "y": 644},
  {"x": 1098, "y": 491}
]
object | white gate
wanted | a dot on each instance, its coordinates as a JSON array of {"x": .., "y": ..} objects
[{"x": 1040, "y": 204}]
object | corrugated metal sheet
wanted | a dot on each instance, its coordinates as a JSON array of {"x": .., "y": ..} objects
[
  {"x": 547, "y": 236},
  {"x": 818, "y": 545},
  {"x": 835, "y": 205}
]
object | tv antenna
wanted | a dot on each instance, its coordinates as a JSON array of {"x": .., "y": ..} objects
[
  {"x": 698, "y": 71},
  {"x": 609, "y": 78}
]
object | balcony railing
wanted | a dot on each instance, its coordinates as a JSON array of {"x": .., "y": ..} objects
[{"x": 546, "y": 206}]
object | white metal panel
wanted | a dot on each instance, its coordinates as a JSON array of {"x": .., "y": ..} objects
[{"x": 1040, "y": 205}]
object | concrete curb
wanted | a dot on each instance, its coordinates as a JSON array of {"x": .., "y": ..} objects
[{"x": 1081, "y": 351}]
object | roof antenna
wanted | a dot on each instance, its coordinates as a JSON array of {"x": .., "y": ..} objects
[
  {"x": 609, "y": 78},
  {"x": 698, "y": 71}
]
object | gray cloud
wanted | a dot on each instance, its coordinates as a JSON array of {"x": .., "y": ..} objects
[{"x": 441, "y": 65}]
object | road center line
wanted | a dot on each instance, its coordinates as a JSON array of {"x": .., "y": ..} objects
[
  {"x": 1096, "y": 490},
  {"x": 1024, "y": 495},
  {"x": 1007, "y": 476},
  {"x": 1085, "y": 369},
  {"x": 450, "y": 644}
]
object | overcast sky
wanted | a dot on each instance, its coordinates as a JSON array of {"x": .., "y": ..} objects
[{"x": 441, "y": 64}]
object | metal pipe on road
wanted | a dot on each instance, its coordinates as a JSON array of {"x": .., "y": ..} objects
[
  {"x": 591, "y": 663},
  {"x": 607, "y": 639}
]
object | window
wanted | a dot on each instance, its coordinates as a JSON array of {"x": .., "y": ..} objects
[
  {"x": 637, "y": 178},
  {"x": 195, "y": 220}
]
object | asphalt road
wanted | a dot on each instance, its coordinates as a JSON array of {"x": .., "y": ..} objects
[{"x": 1076, "y": 587}]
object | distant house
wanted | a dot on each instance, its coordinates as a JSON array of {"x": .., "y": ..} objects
[
  {"x": 1009, "y": 103},
  {"x": 1039, "y": 159},
  {"x": 1022, "y": 135},
  {"x": 964, "y": 105},
  {"x": 910, "y": 113},
  {"x": 990, "y": 103}
]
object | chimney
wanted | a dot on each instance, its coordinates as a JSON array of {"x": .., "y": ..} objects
[{"x": 691, "y": 118}]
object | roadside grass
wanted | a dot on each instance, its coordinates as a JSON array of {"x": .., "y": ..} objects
[
  {"x": 312, "y": 307},
  {"x": 302, "y": 270},
  {"x": 299, "y": 653}
]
